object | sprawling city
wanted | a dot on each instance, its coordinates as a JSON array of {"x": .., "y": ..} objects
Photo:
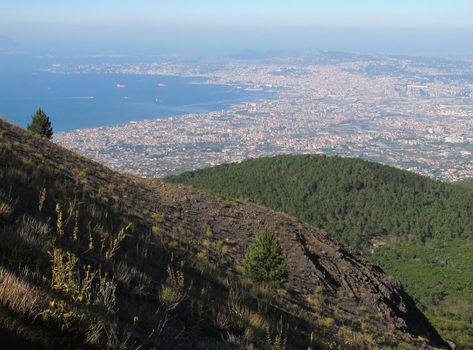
[{"x": 409, "y": 112}]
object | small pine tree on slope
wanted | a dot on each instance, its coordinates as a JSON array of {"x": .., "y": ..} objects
[
  {"x": 264, "y": 261},
  {"x": 40, "y": 124}
]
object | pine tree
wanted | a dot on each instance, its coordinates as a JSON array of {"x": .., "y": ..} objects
[
  {"x": 264, "y": 261},
  {"x": 40, "y": 124}
]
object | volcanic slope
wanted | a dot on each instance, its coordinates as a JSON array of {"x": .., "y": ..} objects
[
  {"x": 417, "y": 229},
  {"x": 91, "y": 258}
]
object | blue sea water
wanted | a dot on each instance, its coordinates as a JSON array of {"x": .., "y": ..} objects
[{"x": 90, "y": 100}]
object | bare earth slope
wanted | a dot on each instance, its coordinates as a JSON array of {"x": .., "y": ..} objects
[{"x": 331, "y": 290}]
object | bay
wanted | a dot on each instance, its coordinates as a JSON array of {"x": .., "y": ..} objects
[{"x": 75, "y": 101}]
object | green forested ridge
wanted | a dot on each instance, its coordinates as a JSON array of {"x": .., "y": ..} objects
[
  {"x": 422, "y": 229},
  {"x": 352, "y": 199},
  {"x": 466, "y": 183},
  {"x": 439, "y": 274}
]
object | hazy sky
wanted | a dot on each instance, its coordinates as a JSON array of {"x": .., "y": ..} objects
[
  {"x": 243, "y": 23},
  {"x": 398, "y": 13}
]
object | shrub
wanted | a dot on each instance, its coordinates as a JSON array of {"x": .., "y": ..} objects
[
  {"x": 264, "y": 261},
  {"x": 65, "y": 273},
  {"x": 172, "y": 293}
]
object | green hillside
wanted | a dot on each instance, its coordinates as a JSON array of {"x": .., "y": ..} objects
[
  {"x": 417, "y": 229},
  {"x": 94, "y": 259},
  {"x": 466, "y": 183}
]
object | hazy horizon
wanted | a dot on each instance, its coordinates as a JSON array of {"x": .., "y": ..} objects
[{"x": 215, "y": 28}]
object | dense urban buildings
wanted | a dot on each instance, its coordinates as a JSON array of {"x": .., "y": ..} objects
[{"x": 412, "y": 113}]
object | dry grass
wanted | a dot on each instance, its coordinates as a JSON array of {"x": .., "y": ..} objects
[
  {"x": 173, "y": 291},
  {"x": 138, "y": 281},
  {"x": 256, "y": 326},
  {"x": 5, "y": 210},
  {"x": 222, "y": 319},
  {"x": 317, "y": 299},
  {"x": 20, "y": 296},
  {"x": 28, "y": 234},
  {"x": 326, "y": 322}
]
